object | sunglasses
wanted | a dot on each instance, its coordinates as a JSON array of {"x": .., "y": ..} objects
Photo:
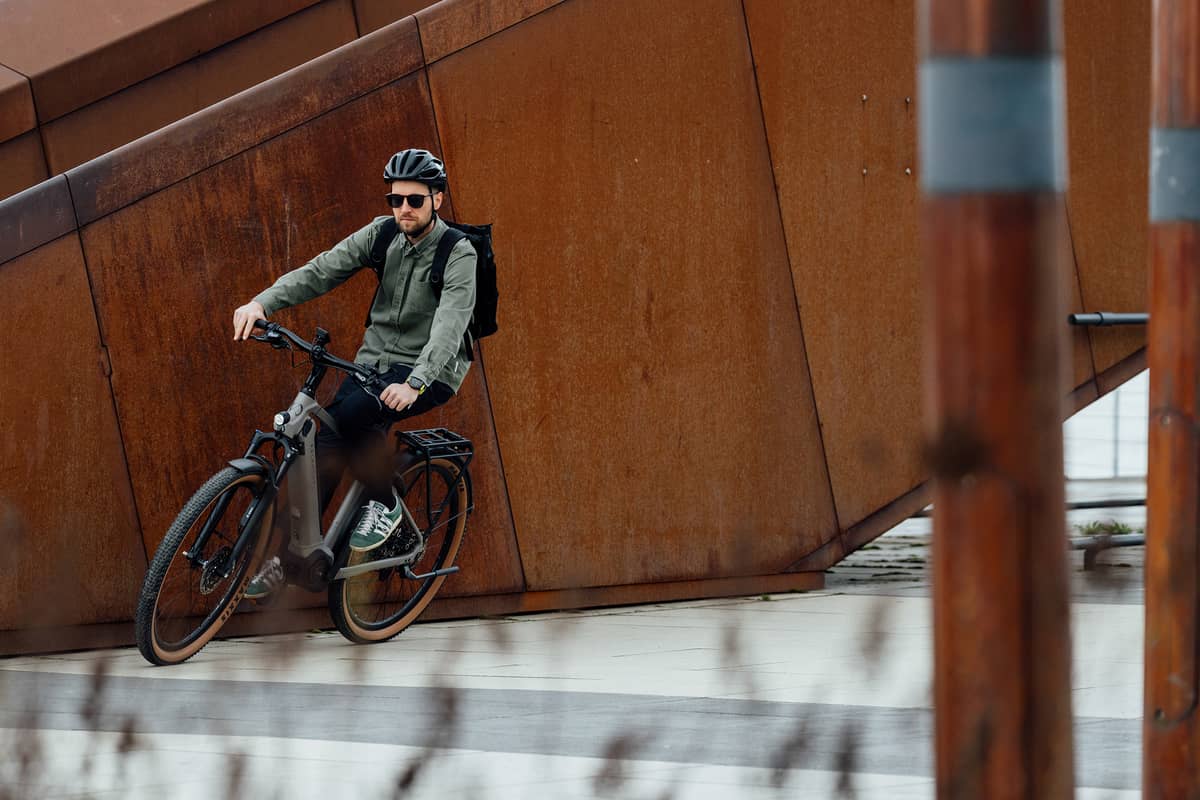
[{"x": 415, "y": 201}]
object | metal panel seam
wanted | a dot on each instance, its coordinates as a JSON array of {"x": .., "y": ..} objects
[
  {"x": 437, "y": 132},
  {"x": 112, "y": 395},
  {"x": 37, "y": 122},
  {"x": 490, "y": 35},
  {"x": 791, "y": 272},
  {"x": 1078, "y": 280},
  {"x": 512, "y": 520},
  {"x": 210, "y": 53},
  {"x": 231, "y": 156}
]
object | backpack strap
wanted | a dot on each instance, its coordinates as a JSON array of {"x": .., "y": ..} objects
[
  {"x": 378, "y": 257},
  {"x": 437, "y": 272},
  {"x": 383, "y": 240}
]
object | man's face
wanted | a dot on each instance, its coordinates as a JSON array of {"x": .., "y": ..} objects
[{"x": 414, "y": 220}]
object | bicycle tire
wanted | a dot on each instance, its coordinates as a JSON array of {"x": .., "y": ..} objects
[
  {"x": 164, "y": 639},
  {"x": 376, "y": 606}
]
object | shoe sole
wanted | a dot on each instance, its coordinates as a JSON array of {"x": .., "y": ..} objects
[{"x": 370, "y": 547}]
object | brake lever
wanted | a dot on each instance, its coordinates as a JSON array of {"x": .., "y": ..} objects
[{"x": 274, "y": 339}]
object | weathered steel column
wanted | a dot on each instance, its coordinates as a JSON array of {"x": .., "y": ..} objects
[
  {"x": 993, "y": 163},
  {"x": 1171, "y": 767}
]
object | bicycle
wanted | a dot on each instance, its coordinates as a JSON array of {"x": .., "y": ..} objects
[{"x": 202, "y": 567}]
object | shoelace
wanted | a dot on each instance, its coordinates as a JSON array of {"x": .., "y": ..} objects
[
  {"x": 272, "y": 573},
  {"x": 374, "y": 518}
]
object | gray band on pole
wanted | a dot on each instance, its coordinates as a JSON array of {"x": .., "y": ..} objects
[
  {"x": 1175, "y": 175},
  {"x": 992, "y": 125}
]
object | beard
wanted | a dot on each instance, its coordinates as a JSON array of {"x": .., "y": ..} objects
[{"x": 418, "y": 226}]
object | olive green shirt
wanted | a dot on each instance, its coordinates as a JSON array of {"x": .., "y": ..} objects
[{"x": 407, "y": 323}]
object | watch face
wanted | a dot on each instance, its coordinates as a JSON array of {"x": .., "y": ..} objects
[{"x": 415, "y": 383}]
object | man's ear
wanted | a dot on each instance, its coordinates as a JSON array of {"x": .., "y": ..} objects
[{"x": 437, "y": 200}]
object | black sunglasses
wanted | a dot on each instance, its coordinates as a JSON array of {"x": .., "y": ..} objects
[{"x": 415, "y": 201}]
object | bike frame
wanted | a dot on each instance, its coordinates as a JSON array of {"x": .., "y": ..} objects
[{"x": 295, "y": 432}]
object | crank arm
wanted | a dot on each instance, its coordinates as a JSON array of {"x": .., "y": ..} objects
[{"x": 437, "y": 573}]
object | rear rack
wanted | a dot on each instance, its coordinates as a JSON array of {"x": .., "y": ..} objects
[{"x": 437, "y": 443}]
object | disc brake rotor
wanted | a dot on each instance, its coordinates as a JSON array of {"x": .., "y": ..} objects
[{"x": 214, "y": 570}]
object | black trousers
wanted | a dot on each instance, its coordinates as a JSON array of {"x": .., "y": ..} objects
[{"x": 362, "y": 418}]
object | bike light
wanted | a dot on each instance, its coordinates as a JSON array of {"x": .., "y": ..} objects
[{"x": 281, "y": 419}]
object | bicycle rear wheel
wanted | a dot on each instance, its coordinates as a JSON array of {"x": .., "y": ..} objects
[
  {"x": 185, "y": 601},
  {"x": 375, "y": 606}
]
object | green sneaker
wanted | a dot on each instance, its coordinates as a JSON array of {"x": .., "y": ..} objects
[
  {"x": 377, "y": 523},
  {"x": 268, "y": 579}
]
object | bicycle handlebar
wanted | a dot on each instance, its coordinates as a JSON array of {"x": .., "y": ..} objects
[{"x": 278, "y": 336}]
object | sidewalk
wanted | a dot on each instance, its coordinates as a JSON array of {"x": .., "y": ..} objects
[{"x": 795, "y": 695}]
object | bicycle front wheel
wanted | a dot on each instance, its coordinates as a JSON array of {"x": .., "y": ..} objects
[
  {"x": 375, "y": 606},
  {"x": 193, "y": 586}
]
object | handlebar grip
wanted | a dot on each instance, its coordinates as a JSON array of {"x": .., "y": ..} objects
[{"x": 262, "y": 324}]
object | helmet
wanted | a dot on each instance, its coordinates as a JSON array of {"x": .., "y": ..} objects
[{"x": 416, "y": 165}]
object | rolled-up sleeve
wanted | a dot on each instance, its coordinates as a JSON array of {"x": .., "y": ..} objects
[
  {"x": 452, "y": 316},
  {"x": 324, "y": 272}
]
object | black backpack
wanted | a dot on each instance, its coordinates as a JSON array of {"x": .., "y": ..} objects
[{"x": 483, "y": 319}]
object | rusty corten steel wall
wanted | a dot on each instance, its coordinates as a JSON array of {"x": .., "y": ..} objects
[
  {"x": 684, "y": 231},
  {"x": 67, "y": 519},
  {"x": 647, "y": 247},
  {"x": 103, "y": 74},
  {"x": 1108, "y": 108}
]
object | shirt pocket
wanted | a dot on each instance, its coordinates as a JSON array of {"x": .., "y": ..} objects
[{"x": 421, "y": 302}]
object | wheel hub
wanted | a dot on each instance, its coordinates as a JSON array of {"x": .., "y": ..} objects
[{"x": 214, "y": 570}]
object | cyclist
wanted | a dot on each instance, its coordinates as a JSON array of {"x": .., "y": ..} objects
[{"x": 413, "y": 338}]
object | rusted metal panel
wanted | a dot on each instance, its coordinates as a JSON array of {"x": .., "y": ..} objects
[
  {"x": 22, "y": 164},
  {"x": 852, "y": 237},
  {"x": 119, "y": 178},
  {"x": 75, "y": 53},
  {"x": 210, "y": 243},
  {"x": 649, "y": 381},
  {"x": 207, "y": 79},
  {"x": 66, "y": 515},
  {"x": 451, "y": 25},
  {"x": 16, "y": 105},
  {"x": 375, "y": 14},
  {"x": 1080, "y": 364},
  {"x": 1108, "y": 70},
  {"x": 34, "y": 217}
]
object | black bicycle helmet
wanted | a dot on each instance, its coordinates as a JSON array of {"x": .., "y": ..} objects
[{"x": 416, "y": 165}]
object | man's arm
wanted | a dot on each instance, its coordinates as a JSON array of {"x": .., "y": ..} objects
[
  {"x": 452, "y": 316},
  {"x": 326, "y": 271}
]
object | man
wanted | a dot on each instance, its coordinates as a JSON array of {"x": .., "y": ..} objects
[{"x": 414, "y": 338}]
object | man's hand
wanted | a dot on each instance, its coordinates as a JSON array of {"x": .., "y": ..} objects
[
  {"x": 399, "y": 396},
  {"x": 244, "y": 319}
]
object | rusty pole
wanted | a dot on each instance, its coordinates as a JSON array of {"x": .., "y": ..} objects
[
  {"x": 1171, "y": 767},
  {"x": 993, "y": 165}
]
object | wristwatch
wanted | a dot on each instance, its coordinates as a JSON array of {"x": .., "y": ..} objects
[{"x": 417, "y": 384}]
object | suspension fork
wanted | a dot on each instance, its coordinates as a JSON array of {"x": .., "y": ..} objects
[{"x": 249, "y": 464}]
